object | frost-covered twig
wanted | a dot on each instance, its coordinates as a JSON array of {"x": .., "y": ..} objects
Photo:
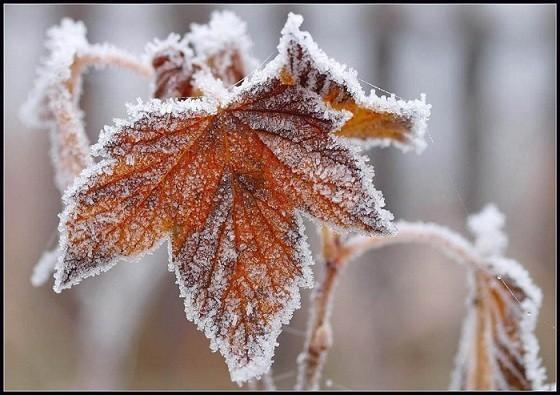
[
  {"x": 440, "y": 237},
  {"x": 102, "y": 55},
  {"x": 54, "y": 101},
  {"x": 498, "y": 348},
  {"x": 54, "y": 104},
  {"x": 69, "y": 142},
  {"x": 319, "y": 332},
  {"x": 336, "y": 255}
]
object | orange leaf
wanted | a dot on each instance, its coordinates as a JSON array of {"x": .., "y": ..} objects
[
  {"x": 224, "y": 179},
  {"x": 375, "y": 120}
]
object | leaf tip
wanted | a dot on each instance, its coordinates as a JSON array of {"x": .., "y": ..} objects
[{"x": 293, "y": 23}]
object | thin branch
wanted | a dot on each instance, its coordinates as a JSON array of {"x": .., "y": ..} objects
[
  {"x": 319, "y": 332},
  {"x": 103, "y": 55},
  {"x": 70, "y": 146},
  {"x": 69, "y": 143},
  {"x": 336, "y": 255},
  {"x": 449, "y": 242}
]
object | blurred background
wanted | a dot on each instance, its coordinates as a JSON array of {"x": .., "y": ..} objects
[{"x": 490, "y": 73}]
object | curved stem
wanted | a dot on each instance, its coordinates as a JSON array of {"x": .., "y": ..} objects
[
  {"x": 101, "y": 56},
  {"x": 336, "y": 255},
  {"x": 70, "y": 146},
  {"x": 452, "y": 244},
  {"x": 69, "y": 143}
]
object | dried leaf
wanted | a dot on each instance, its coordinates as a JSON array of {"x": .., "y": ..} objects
[
  {"x": 376, "y": 120},
  {"x": 223, "y": 178},
  {"x": 53, "y": 102},
  {"x": 172, "y": 63},
  {"x": 221, "y": 47},
  {"x": 498, "y": 348},
  {"x": 224, "y": 46}
]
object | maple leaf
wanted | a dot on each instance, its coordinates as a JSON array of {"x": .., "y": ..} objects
[
  {"x": 498, "y": 348},
  {"x": 225, "y": 180}
]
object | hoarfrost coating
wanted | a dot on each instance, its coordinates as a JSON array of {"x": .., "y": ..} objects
[
  {"x": 502, "y": 306},
  {"x": 224, "y": 40},
  {"x": 503, "y": 290},
  {"x": 225, "y": 178},
  {"x": 416, "y": 110},
  {"x": 63, "y": 42}
]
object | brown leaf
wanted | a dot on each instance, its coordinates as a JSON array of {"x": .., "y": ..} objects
[
  {"x": 375, "y": 120},
  {"x": 497, "y": 349},
  {"x": 222, "y": 46},
  {"x": 224, "y": 179},
  {"x": 173, "y": 74}
]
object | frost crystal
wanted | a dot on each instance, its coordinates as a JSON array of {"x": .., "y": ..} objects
[
  {"x": 223, "y": 44},
  {"x": 487, "y": 227},
  {"x": 172, "y": 44},
  {"x": 63, "y": 42},
  {"x": 376, "y": 120},
  {"x": 45, "y": 267}
]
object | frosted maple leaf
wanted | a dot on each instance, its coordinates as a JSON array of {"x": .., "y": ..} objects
[{"x": 225, "y": 177}]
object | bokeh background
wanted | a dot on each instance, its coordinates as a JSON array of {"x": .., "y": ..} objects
[{"x": 490, "y": 73}]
